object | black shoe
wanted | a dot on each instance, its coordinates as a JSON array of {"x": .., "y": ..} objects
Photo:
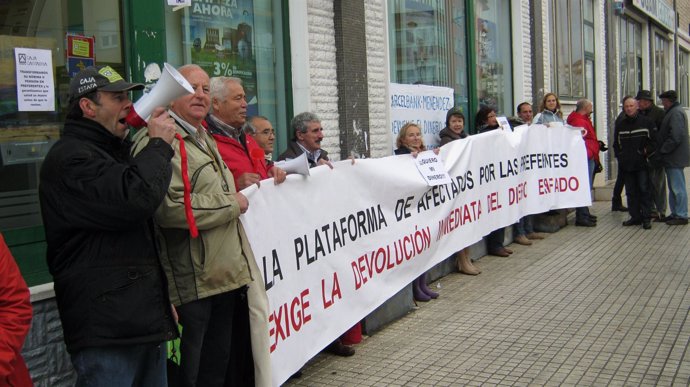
[
  {"x": 647, "y": 225},
  {"x": 585, "y": 223},
  {"x": 619, "y": 207},
  {"x": 632, "y": 222},
  {"x": 677, "y": 222},
  {"x": 340, "y": 349},
  {"x": 593, "y": 218},
  {"x": 665, "y": 218}
]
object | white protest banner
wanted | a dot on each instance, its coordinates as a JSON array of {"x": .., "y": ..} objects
[
  {"x": 335, "y": 245},
  {"x": 425, "y": 105},
  {"x": 35, "y": 84},
  {"x": 432, "y": 169}
]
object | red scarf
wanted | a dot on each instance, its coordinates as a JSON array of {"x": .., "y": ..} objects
[{"x": 187, "y": 189}]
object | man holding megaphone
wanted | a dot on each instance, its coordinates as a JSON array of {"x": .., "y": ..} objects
[{"x": 97, "y": 202}]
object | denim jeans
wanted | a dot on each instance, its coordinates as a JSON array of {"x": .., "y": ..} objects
[
  {"x": 524, "y": 226},
  {"x": 582, "y": 213},
  {"x": 130, "y": 365},
  {"x": 677, "y": 194}
]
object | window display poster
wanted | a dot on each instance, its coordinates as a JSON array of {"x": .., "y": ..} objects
[
  {"x": 80, "y": 54},
  {"x": 425, "y": 105},
  {"x": 35, "y": 82},
  {"x": 220, "y": 34}
]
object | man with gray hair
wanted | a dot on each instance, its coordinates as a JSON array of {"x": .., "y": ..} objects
[
  {"x": 240, "y": 152},
  {"x": 581, "y": 118},
  {"x": 261, "y": 130},
  {"x": 307, "y": 137},
  {"x": 203, "y": 249}
]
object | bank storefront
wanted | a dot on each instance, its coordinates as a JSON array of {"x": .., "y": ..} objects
[
  {"x": 462, "y": 45},
  {"x": 242, "y": 38}
]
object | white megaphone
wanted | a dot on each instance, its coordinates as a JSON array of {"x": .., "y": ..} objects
[
  {"x": 170, "y": 86},
  {"x": 297, "y": 165}
]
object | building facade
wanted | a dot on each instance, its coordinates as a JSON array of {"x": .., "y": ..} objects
[{"x": 334, "y": 58}]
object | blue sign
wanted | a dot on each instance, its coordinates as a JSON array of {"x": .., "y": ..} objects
[{"x": 75, "y": 64}]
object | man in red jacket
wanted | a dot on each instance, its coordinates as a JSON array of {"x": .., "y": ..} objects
[
  {"x": 241, "y": 153},
  {"x": 15, "y": 320},
  {"x": 581, "y": 118}
]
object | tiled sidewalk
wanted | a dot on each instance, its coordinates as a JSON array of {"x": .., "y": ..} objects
[{"x": 584, "y": 307}]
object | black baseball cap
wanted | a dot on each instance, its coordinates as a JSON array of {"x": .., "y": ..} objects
[
  {"x": 669, "y": 94},
  {"x": 102, "y": 78}
]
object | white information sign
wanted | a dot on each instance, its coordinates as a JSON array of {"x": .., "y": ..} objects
[
  {"x": 35, "y": 82},
  {"x": 425, "y": 105},
  {"x": 503, "y": 123},
  {"x": 432, "y": 169}
]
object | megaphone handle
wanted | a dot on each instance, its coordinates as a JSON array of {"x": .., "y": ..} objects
[{"x": 187, "y": 189}]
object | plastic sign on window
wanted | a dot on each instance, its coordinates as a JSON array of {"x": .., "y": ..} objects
[{"x": 35, "y": 83}]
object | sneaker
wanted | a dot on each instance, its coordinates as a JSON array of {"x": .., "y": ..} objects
[
  {"x": 647, "y": 225},
  {"x": 677, "y": 222},
  {"x": 522, "y": 240}
]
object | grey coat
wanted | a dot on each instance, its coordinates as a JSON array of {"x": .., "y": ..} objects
[{"x": 673, "y": 136}]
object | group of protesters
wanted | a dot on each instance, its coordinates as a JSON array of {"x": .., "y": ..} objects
[
  {"x": 143, "y": 234},
  {"x": 650, "y": 144}
]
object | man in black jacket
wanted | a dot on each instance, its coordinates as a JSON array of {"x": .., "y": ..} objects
[
  {"x": 675, "y": 155},
  {"x": 657, "y": 176},
  {"x": 97, "y": 204},
  {"x": 632, "y": 144},
  {"x": 308, "y": 134}
]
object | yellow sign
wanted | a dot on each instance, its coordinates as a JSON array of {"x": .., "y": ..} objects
[{"x": 81, "y": 48}]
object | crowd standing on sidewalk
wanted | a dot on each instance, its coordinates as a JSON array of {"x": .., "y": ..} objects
[{"x": 131, "y": 246}]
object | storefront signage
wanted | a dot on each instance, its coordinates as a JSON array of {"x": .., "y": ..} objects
[
  {"x": 376, "y": 225},
  {"x": 425, "y": 105},
  {"x": 222, "y": 42},
  {"x": 658, "y": 10},
  {"x": 80, "y": 54},
  {"x": 35, "y": 84}
]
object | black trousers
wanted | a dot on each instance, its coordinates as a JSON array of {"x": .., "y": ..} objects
[
  {"x": 206, "y": 343},
  {"x": 638, "y": 192},
  {"x": 494, "y": 240}
]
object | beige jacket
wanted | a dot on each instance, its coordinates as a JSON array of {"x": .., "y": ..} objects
[{"x": 217, "y": 260}]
